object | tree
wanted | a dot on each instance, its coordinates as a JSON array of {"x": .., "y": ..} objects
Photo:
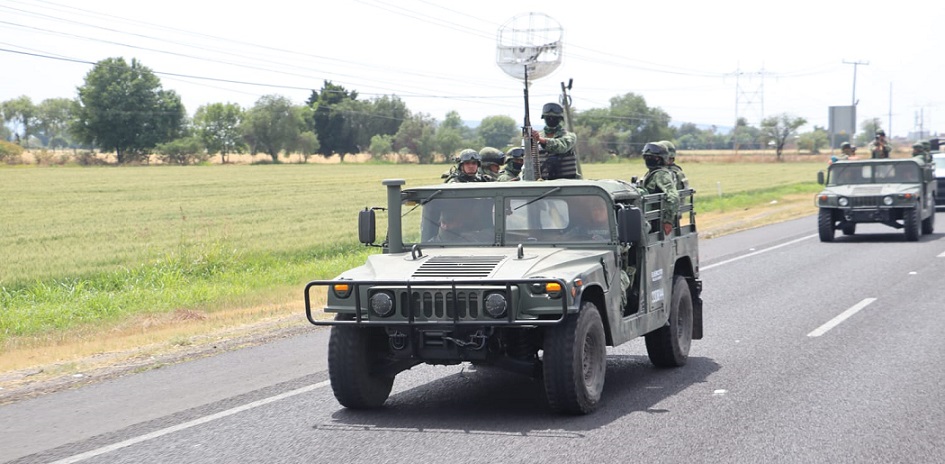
[
  {"x": 123, "y": 108},
  {"x": 779, "y": 129},
  {"x": 381, "y": 145},
  {"x": 628, "y": 122},
  {"x": 814, "y": 140},
  {"x": 417, "y": 135},
  {"x": 868, "y": 131},
  {"x": 498, "y": 131},
  {"x": 22, "y": 112},
  {"x": 274, "y": 125},
  {"x": 307, "y": 145},
  {"x": 53, "y": 117},
  {"x": 218, "y": 127},
  {"x": 182, "y": 151},
  {"x": 328, "y": 119}
]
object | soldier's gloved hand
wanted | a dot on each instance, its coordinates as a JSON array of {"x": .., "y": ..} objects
[
  {"x": 667, "y": 228},
  {"x": 536, "y": 136}
]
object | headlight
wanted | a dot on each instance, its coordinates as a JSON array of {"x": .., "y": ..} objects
[
  {"x": 382, "y": 304},
  {"x": 843, "y": 201},
  {"x": 887, "y": 201},
  {"x": 496, "y": 305}
]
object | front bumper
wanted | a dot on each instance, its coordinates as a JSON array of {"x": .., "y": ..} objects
[{"x": 432, "y": 303}]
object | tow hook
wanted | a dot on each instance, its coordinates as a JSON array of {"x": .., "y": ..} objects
[
  {"x": 477, "y": 341},
  {"x": 397, "y": 339}
]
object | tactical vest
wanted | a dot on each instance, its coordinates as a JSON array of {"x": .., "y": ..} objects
[{"x": 560, "y": 166}]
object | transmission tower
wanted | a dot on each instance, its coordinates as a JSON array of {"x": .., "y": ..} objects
[{"x": 749, "y": 99}]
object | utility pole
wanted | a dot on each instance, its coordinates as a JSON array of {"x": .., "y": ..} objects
[
  {"x": 855, "y": 64},
  {"x": 853, "y": 102}
]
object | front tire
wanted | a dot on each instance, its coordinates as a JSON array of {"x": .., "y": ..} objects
[
  {"x": 825, "y": 226},
  {"x": 575, "y": 362},
  {"x": 928, "y": 224},
  {"x": 353, "y": 361},
  {"x": 912, "y": 224},
  {"x": 669, "y": 345}
]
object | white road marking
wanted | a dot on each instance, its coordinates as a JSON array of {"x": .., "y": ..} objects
[
  {"x": 941, "y": 255},
  {"x": 187, "y": 425},
  {"x": 763, "y": 250},
  {"x": 841, "y": 317}
]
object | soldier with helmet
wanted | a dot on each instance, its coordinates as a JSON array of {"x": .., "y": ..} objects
[
  {"x": 467, "y": 168},
  {"x": 556, "y": 155},
  {"x": 515, "y": 159},
  {"x": 660, "y": 179},
  {"x": 879, "y": 147},
  {"x": 492, "y": 161},
  {"x": 847, "y": 152},
  {"x": 919, "y": 153},
  {"x": 682, "y": 183}
]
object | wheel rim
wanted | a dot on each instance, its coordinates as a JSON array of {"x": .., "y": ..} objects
[{"x": 590, "y": 362}]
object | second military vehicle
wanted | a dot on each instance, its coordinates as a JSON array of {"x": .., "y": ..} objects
[
  {"x": 899, "y": 193},
  {"x": 534, "y": 277}
]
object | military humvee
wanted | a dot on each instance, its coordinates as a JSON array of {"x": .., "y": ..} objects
[
  {"x": 525, "y": 276},
  {"x": 897, "y": 192}
]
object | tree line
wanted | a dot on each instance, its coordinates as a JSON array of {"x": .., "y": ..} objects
[{"x": 122, "y": 108}]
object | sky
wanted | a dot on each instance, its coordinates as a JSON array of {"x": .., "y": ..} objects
[{"x": 706, "y": 63}]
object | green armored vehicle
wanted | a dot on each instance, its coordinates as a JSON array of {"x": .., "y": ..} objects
[
  {"x": 899, "y": 193},
  {"x": 533, "y": 277}
]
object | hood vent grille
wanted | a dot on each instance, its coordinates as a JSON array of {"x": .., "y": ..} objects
[{"x": 458, "y": 266}]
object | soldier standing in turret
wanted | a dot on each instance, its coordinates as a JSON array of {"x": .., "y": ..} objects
[
  {"x": 556, "y": 154},
  {"x": 879, "y": 147}
]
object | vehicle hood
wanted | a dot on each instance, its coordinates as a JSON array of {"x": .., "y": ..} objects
[{"x": 479, "y": 264}]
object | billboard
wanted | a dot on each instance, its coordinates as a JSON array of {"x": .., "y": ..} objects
[{"x": 842, "y": 121}]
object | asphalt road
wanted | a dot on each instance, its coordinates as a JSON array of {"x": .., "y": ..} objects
[{"x": 813, "y": 352}]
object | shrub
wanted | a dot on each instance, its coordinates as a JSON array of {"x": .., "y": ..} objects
[{"x": 10, "y": 153}]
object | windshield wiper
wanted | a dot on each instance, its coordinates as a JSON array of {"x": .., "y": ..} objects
[
  {"x": 539, "y": 197},
  {"x": 422, "y": 202}
]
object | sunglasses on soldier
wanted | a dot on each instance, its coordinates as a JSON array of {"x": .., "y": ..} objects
[{"x": 653, "y": 149}]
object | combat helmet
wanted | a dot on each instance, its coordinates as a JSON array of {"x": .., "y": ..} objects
[
  {"x": 469, "y": 155},
  {"x": 670, "y": 147},
  {"x": 552, "y": 109},
  {"x": 490, "y": 156},
  {"x": 657, "y": 149}
]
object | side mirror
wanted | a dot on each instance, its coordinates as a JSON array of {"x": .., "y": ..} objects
[
  {"x": 629, "y": 224},
  {"x": 366, "y": 226},
  {"x": 820, "y": 177}
]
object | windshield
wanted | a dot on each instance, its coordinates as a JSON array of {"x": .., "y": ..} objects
[
  {"x": 575, "y": 218},
  {"x": 471, "y": 221},
  {"x": 940, "y": 163},
  {"x": 851, "y": 174},
  {"x": 453, "y": 221}
]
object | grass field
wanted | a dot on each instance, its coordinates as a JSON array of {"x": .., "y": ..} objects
[{"x": 93, "y": 247}]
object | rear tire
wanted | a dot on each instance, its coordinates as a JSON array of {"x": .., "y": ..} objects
[
  {"x": 825, "y": 226},
  {"x": 575, "y": 362},
  {"x": 353, "y": 361},
  {"x": 669, "y": 345},
  {"x": 912, "y": 224}
]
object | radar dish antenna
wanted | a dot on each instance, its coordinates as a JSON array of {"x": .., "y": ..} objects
[{"x": 529, "y": 46}]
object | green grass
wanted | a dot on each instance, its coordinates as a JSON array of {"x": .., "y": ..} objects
[{"x": 100, "y": 244}]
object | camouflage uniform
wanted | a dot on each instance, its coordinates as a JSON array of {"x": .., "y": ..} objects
[
  {"x": 556, "y": 155},
  {"x": 491, "y": 157},
  {"x": 682, "y": 183},
  {"x": 513, "y": 165},
  {"x": 877, "y": 149},
  {"x": 660, "y": 179},
  {"x": 919, "y": 153},
  {"x": 467, "y": 155}
]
